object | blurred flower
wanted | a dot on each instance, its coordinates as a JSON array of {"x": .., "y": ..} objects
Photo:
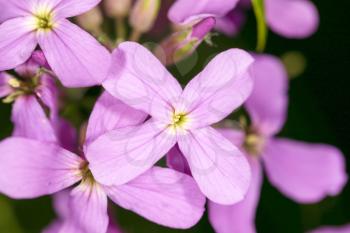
[
  {"x": 143, "y": 16},
  {"x": 117, "y": 8},
  {"x": 338, "y": 229},
  {"x": 304, "y": 172},
  {"x": 74, "y": 55},
  {"x": 183, "y": 43},
  {"x": 91, "y": 20},
  {"x": 182, "y": 117},
  {"x": 39, "y": 168}
]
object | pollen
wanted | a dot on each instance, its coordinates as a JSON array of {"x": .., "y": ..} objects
[{"x": 254, "y": 144}]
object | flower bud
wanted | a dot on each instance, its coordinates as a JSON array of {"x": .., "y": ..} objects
[
  {"x": 91, "y": 20},
  {"x": 117, "y": 8},
  {"x": 183, "y": 43},
  {"x": 144, "y": 14}
]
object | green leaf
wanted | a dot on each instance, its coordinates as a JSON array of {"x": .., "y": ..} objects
[{"x": 259, "y": 10}]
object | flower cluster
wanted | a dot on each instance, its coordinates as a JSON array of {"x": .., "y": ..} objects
[{"x": 144, "y": 114}]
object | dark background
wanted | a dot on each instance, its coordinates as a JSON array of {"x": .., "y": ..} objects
[{"x": 319, "y": 111}]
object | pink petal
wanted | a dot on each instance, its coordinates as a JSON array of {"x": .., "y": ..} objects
[
  {"x": 88, "y": 205},
  {"x": 110, "y": 113},
  {"x": 235, "y": 136},
  {"x": 185, "y": 11},
  {"x": 268, "y": 103},
  {"x": 14, "y": 8},
  {"x": 121, "y": 155},
  {"x": 219, "y": 89},
  {"x": 35, "y": 168},
  {"x": 67, "y": 134},
  {"x": 220, "y": 169},
  {"x": 241, "y": 216},
  {"x": 305, "y": 172},
  {"x": 177, "y": 161},
  {"x": 5, "y": 88},
  {"x": 292, "y": 19},
  {"x": 61, "y": 203},
  {"x": 17, "y": 42},
  {"x": 70, "y": 8},
  {"x": 48, "y": 94},
  {"x": 335, "y": 229},
  {"x": 74, "y": 55},
  {"x": 30, "y": 120},
  {"x": 163, "y": 196},
  {"x": 54, "y": 227},
  {"x": 139, "y": 79}
]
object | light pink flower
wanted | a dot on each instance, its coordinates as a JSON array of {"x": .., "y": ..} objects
[
  {"x": 177, "y": 116},
  {"x": 32, "y": 168},
  {"x": 74, "y": 55}
]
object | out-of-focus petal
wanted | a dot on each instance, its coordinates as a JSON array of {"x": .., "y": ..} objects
[
  {"x": 304, "y": 172},
  {"x": 48, "y": 94},
  {"x": 5, "y": 88},
  {"x": 54, "y": 227},
  {"x": 292, "y": 19},
  {"x": 267, "y": 105},
  {"x": 74, "y": 55},
  {"x": 185, "y": 11},
  {"x": 110, "y": 113},
  {"x": 121, "y": 155},
  {"x": 219, "y": 89},
  {"x": 220, "y": 169},
  {"x": 334, "y": 229},
  {"x": 177, "y": 161},
  {"x": 17, "y": 42},
  {"x": 239, "y": 218},
  {"x": 231, "y": 23},
  {"x": 162, "y": 195},
  {"x": 32, "y": 168},
  {"x": 66, "y": 134},
  {"x": 30, "y": 120},
  {"x": 70, "y": 8},
  {"x": 235, "y": 136},
  {"x": 88, "y": 208},
  {"x": 139, "y": 79}
]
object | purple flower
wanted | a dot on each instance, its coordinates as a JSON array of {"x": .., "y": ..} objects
[
  {"x": 289, "y": 18},
  {"x": 35, "y": 108},
  {"x": 39, "y": 168},
  {"x": 342, "y": 229},
  {"x": 75, "y": 56},
  {"x": 184, "y": 117},
  {"x": 302, "y": 171}
]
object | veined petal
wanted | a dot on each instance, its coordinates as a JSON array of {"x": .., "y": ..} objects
[
  {"x": 304, "y": 172},
  {"x": 139, "y": 79},
  {"x": 32, "y": 168},
  {"x": 185, "y": 11},
  {"x": 88, "y": 205},
  {"x": 220, "y": 169},
  {"x": 108, "y": 114},
  {"x": 219, "y": 89},
  {"x": 70, "y": 8},
  {"x": 14, "y": 8},
  {"x": 163, "y": 196},
  {"x": 292, "y": 19},
  {"x": 17, "y": 42},
  {"x": 240, "y": 217},
  {"x": 30, "y": 120},
  {"x": 74, "y": 55},
  {"x": 121, "y": 155},
  {"x": 268, "y": 103}
]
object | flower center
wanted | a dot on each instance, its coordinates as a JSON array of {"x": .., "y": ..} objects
[
  {"x": 87, "y": 175},
  {"x": 178, "y": 122},
  {"x": 44, "y": 19},
  {"x": 254, "y": 144}
]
